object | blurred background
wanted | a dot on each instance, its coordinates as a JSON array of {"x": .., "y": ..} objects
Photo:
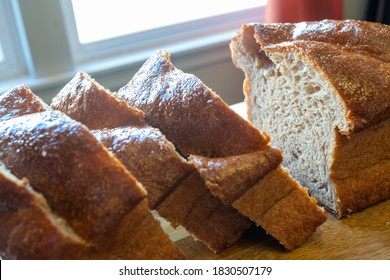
[{"x": 43, "y": 43}]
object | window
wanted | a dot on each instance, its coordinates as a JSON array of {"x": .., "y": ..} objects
[
  {"x": 114, "y": 18},
  {"x": 43, "y": 43},
  {"x": 12, "y": 60}
]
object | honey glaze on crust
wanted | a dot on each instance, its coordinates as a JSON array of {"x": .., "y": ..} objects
[
  {"x": 189, "y": 113},
  {"x": 148, "y": 155},
  {"x": 19, "y": 101},
  {"x": 347, "y": 52},
  {"x": 81, "y": 180}
]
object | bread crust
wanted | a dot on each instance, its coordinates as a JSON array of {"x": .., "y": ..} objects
[
  {"x": 340, "y": 49},
  {"x": 203, "y": 215},
  {"x": 230, "y": 177},
  {"x": 360, "y": 168},
  {"x": 85, "y": 100},
  {"x": 29, "y": 230},
  {"x": 20, "y": 101},
  {"x": 149, "y": 156},
  {"x": 141, "y": 237},
  {"x": 282, "y": 207}
]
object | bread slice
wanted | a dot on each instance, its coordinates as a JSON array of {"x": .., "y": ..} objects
[
  {"x": 29, "y": 229},
  {"x": 149, "y": 156},
  {"x": 19, "y": 101},
  {"x": 153, "y": 160},
  {"x": 322, "y": 92},
  {"x": 230, "y": 177},
  {"x": 200, "y": 123},
  {"x": 83, "y": 182},
  {"x": 85, "y": 100},
  {"x": 187, "y": 112}
]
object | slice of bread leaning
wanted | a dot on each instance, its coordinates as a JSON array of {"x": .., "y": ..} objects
[
  {"x": 322, "y": 92},
  {"x": 234, "y": 159}
]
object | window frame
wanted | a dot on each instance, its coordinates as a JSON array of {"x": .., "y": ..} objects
[{"x": 14, "y": 62}]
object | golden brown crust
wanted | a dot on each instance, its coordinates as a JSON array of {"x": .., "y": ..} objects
[
  {"x": 362, "y": 37},
  {"x": 360, "y": 169},
  {"x": 28, "y": 228},
  {"x": 189, "y": 113},
  {"x": 345, "y": 51},
  {"x": 19, "y": 101},
  {"x": 86, "y": 101},
  {"x": 229, "y": 178},
  {"x": 149, "y": 156},
  {"x": 204, "y": 216},
  {"x": 81, "y": 180},
  {"x": 282, "y": 207},
  {"x": 140, "y": 237}
]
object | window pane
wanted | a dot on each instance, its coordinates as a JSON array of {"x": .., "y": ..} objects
[{"x": 99, "y": 20}]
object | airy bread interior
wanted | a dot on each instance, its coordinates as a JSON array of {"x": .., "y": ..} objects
[{"x": 302, "y": 127}]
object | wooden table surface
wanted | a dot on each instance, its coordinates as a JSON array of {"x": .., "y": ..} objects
[{"x": 363, "y": 235}]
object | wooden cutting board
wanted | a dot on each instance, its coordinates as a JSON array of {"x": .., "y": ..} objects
[{"x": 362, "y": 235}]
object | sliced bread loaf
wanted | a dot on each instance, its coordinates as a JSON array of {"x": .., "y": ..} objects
[{"x": 322, "y": 92}]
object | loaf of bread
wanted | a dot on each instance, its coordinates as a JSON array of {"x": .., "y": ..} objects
[
  {"x": 322, "y": 92},
  {"x": 199, "y": 123},
  {"x": 178, "y": 194},
  {"x": 85, "y": 185}
]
